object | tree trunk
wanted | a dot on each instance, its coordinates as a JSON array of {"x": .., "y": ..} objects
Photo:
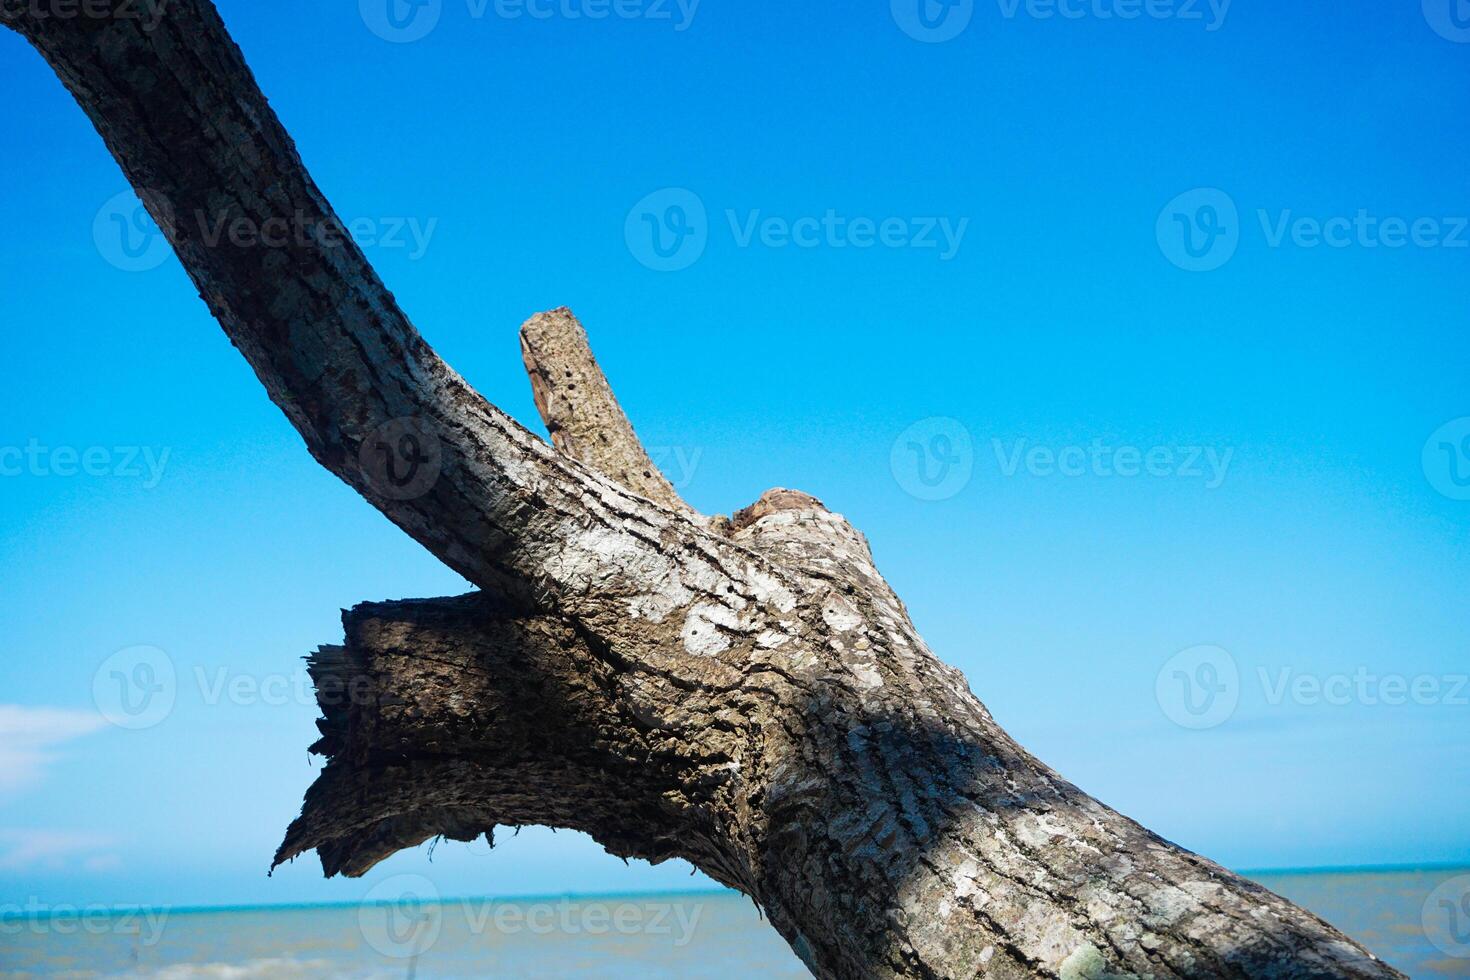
[{"x": 746, "y": 694}]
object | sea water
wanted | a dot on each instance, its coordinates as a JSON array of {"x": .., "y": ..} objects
[{"x": 716, "y": 934}]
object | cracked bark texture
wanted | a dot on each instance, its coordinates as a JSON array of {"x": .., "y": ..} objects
[{"x": 748, "y": 694}]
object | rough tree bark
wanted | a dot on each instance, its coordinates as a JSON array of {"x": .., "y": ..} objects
[{"x": 747, "y": 694}]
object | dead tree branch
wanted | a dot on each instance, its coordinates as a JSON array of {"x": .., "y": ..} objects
[{"x": 749, "y": 696}]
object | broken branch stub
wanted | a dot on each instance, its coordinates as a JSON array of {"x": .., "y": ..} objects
[{"x": 583, "y": 418}]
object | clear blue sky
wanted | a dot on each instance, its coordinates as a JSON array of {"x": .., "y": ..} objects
[{"x": 1330, "y": 541}]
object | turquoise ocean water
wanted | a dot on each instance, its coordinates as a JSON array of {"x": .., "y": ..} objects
[{"x": 1410, "y": 918}]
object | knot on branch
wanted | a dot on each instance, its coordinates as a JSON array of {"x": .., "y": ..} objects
[{"x": 774, "y": 501}]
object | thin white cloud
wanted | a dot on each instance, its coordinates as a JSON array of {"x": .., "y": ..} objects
[
  {"x": 22, "y": 850},
  {"x": 29, "y": 736},
  {"x": 102, "y": 862}
]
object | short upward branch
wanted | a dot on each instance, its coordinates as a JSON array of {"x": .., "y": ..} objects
[{"x": 581, "y": 414}]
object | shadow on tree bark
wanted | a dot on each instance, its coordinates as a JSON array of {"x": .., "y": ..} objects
[{"x": 452, "y": 717}]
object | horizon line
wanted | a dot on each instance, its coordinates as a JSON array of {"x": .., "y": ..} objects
[{"x": 118, "y": 908}]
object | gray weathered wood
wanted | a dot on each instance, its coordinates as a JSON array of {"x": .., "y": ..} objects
[{"x": 749, "y": 695}]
